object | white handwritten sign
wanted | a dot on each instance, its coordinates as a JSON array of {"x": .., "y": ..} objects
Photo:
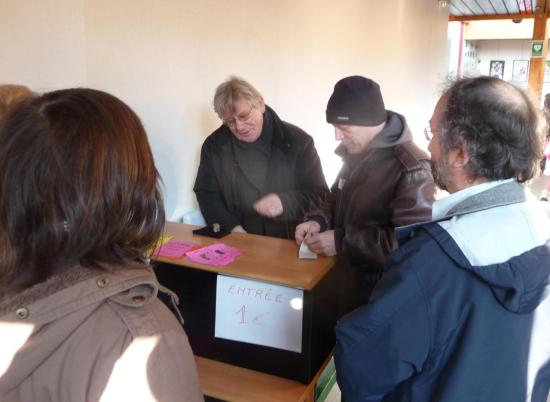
[{"x": 259, "y": 312}]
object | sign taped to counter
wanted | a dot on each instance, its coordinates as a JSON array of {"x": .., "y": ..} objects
[{"x": 258, "y": 312}]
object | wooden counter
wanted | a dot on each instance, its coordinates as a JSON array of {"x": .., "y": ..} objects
[
  {"x": 263, "y": 258},
  {"x": 268, "y": 261}
]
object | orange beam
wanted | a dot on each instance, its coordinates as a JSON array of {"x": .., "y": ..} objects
[{"x": 537, "y": 64}]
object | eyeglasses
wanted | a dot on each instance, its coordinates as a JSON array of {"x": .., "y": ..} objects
[
  {"x": 243, "y": 118},
  {"x": 428, "y": 133}
]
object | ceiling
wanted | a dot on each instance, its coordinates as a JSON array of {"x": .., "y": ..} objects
[{"x": 489, "y": 9}]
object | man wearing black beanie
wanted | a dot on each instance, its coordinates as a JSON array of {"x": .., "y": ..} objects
[{"x": 385, "y": 182}]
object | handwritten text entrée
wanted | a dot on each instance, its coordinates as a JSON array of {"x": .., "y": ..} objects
[{"x": 255, "y": 293}]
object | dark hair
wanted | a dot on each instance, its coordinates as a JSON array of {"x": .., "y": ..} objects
[
  {"x": 78, "y": 185},
  {"x": 498, "y": 123}
]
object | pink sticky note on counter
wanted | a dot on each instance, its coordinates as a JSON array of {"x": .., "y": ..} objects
[
  {"x": 214, "y": 254},
  {"x": 174, "y": 249}
]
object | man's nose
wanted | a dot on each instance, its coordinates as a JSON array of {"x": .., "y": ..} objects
[
  {"x": 338, "y": 135},
  {"x": 238, "y": 125}
]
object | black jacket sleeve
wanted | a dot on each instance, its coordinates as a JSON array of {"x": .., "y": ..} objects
[
  {"x": 311, "y": 189},
  {"x": 209, "y": 192}
]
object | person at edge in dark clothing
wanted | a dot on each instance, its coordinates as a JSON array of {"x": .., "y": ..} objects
[
  {"x": 461, "y": 313},
  {"x": 257, "y": 173},
  {"x": 385, "y": 182}
]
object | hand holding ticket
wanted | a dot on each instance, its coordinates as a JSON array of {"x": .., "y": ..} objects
[{"x": 305, "y": 252}]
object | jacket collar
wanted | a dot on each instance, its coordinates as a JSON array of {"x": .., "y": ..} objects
[
  {"x": 479, "y": 197},
  {"x": 79, "y": 288},
  {"x": 520, "y": 282},
  {"x": 281, "y": 137},
  {"x": 476, "y": 198}
]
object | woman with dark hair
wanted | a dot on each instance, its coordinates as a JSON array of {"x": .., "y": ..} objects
[{"x": 80, "y": 207}]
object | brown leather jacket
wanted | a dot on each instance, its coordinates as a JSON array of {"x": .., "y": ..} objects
[{"x": 387, "y": 186}]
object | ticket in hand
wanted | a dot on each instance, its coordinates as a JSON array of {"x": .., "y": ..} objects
[{"x": 305, "y": 253}]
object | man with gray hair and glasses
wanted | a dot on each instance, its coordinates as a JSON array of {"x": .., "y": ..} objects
[
  {"x": 257, "y": 173},
  {"x": 462, "y": 313}
]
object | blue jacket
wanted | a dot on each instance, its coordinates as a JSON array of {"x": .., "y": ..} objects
[{"x": 460, "y": 314}]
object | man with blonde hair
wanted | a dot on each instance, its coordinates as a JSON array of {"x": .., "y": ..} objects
[{"x": 257, "y": 173}]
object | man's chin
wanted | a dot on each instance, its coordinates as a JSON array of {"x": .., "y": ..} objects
[
  {"x": 438, "y": 177},
  {"x": 351, "y": 150},
  {"x": 441, "y": 185},
  {"x": 249, "y": 137},
  {"x": 439, "y": 181}
]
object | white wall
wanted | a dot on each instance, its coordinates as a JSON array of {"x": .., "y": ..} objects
[
  {"x": 165, "y": 58},
  {"x": 507, "y": 50},
  {"x": 42, "y": 43}
]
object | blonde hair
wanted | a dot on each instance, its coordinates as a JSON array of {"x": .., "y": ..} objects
[
  {"x": 230, "y": 91},
  {"x": 11, "y": 94}
]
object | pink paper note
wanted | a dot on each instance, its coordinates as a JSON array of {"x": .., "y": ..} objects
[
  {"x": 174, "y": 249},
  {"x": 214, "y": 254}
]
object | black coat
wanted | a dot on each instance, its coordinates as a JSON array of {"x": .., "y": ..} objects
[{"x": 294, "y": 173}]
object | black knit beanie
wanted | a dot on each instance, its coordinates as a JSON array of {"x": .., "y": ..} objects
[{"x": 356, "y": 101}]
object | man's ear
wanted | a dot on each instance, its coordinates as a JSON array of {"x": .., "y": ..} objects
[
  {"x": 261, "y": 104},
  {"x": 459, "y": 157}
]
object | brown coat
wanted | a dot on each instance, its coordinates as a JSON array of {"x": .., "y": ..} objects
[
  {"x": 387, "y": 186},
  {"x": 94, "y": 336}
]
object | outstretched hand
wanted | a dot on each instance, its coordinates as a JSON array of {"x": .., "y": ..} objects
[{"x": 269, "y": 206}]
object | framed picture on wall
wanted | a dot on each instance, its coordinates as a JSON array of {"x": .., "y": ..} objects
[
  {"x": 496, "y": 68},
  {"x": 547, "y": 71},
  {"x": 520, "y": 70}
]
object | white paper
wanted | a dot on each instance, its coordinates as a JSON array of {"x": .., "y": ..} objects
[
  {"x": 305, "y": 252},
  {"x": 259, "y": 312}
]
